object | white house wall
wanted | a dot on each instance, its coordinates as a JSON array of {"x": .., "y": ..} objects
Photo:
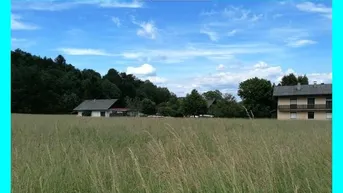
[{"x": 95, "y": 114}]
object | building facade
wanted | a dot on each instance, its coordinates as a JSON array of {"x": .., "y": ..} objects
[
  {"x": 100, "y": 108},
  {"x": 304, "y": 102}
]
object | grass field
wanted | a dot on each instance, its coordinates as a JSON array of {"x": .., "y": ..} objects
[{"x": 67, "y": 154}]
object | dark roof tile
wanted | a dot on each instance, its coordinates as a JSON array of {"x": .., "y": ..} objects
[
  {"x": 98, "y": 104},
  {"x": 319, "y": 89}
]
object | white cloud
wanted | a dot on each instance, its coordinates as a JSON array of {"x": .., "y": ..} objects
[
  {"x": 146, "y": 72},
  {"x": 156, "y": 79},
  {"x": 320, "y": 77},
  {"x": 229, "y": 81},
  {"x": 232, "y": 79},
  {"x": 315, "y": 8},
  {"x": 232, "y": 33},
  {"x": 220, "y": 67},
  {"x": 300, "y": 43},
  {"x": 240, "y": 14},
  {"x": 225, "y": 22},
  {"x": 83, "y": 51},
  {"x": 17, "y": 24},
  {"x": 209, "y": 13},
  {"x": 182, "y": 89},
  {"x": 58, "y": 6},
  {"x": 147, "y": 29},
  {"x": 116, "y": 21},
  {"x": 117, "y": 4},
  {"x": 143, "y": 70},
  {"x": 129, "y": 55},
  {"x": 288, "y": 32},
  {"x": 293, "y": 37},
  {"x": 41, "y": 5},
  {"x": 210, "y": 51},
  {"x": 261, "y": 65},
  {"x": 211, "y": 34},
  {"x": 256, "y": 17}
]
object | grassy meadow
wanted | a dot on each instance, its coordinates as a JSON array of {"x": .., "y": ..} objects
[{"x": 68, "y": 154}]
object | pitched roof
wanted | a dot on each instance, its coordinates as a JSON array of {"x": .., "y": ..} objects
[
  {"x": 319, "y": 89},
  {"x": 210, "y": 102},
  {"x": 97, "y": 104}
]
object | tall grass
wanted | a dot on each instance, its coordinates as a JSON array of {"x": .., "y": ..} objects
[{"x": 54, "y": 154}]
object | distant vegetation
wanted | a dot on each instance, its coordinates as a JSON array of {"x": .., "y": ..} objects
[
  {"x": 47, "y": 86},
  {"x": 55, "y": 154}
]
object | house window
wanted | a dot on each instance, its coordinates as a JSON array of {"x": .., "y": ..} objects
[
  {"x": 293, "y": 103},
  {"x": 293, "y": 115},
  {"x": 310, "y": 115},
  {"x": 329, "y": 115},
  {"x": 102, "y": 114},
  {"x": 310, "y": 103}
]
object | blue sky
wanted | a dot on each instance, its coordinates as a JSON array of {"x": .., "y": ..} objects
[{"x": 182, "y": 45}]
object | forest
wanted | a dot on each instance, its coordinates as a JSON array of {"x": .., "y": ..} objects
[{"x": 41, "y": 85}]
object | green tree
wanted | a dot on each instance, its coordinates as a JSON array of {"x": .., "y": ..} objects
[
  {"x": 110, "y": 90},
  {"x": 133, "y": 103},
  {"x": 289, "y": 80},
  {"x": 69, "y": 101},
  {"x": 194, "y": 104},
  {"x": 113, "y": 76},
  {"x": 229, "y": 97},
  {"x": 256, "y": 95},
  {"x": 228, "y": 109},
  {"x": 225, "y": 106},
  {"x": 209, "y": 95},
  {"x": 60, "y": 60},
  {"x": 148, "y": 107},
  {"x": 91, "y": 84},
  {"x": 166, "y": 111},
  {"x": 44, "y": 85},
  {"x": 171, "y": 108},
  {"x": 303, "y": 80}
]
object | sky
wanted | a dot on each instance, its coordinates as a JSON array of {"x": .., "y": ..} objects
[{"x": 182, "y": 44}]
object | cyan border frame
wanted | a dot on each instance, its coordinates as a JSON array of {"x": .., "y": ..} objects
[
  {"x": 337, "y": 62},
  {"x": 5, "y": 96},
  {"x": 5, "y": 131}
]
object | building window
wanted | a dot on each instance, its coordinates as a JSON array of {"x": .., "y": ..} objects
[
  {"x": 329, "y": 115},
  {"x": 293, "y": 115},
  {"x": 310, "y": 115},
  {"x": 310, "y": 103},
  {"x": 102, "y": 114},
  {"x": 293, "y": 103}
]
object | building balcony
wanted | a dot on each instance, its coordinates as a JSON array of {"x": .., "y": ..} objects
[{"x": 316, "y": 107}]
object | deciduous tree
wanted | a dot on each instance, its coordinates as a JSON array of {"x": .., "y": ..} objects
[
  {"x": 256, "y": 95},
  {"x": 194, "y": 104}
]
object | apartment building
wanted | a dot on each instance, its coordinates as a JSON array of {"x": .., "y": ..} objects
[{"x": 304, "y": 102}]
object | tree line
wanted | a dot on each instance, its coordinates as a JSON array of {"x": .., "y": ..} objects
[{"x": 41, "y": 85}]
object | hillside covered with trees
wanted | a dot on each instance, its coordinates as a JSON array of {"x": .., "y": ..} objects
[{"x": 52, "y": 86}]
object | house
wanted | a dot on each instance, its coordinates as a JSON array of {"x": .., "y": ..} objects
[
  {"x": 210, "y": 102},
  {"x": 100, "y": 108},
  {"x": 304, "y": 101}
]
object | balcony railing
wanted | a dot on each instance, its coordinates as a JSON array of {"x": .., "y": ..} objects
[{"x": 316, "y": 107}]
